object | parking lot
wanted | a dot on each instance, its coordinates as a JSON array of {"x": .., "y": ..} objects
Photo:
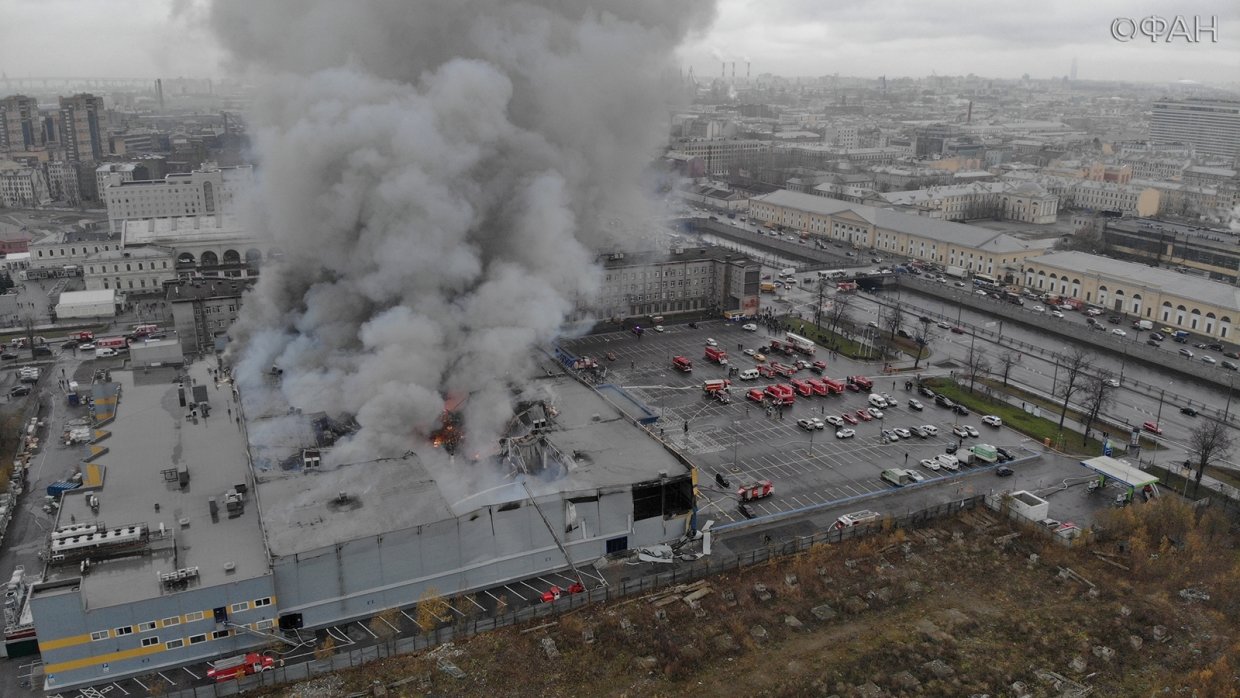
[{"x": 741, "y": 442}]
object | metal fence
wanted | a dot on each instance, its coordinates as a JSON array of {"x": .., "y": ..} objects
[{"x": 681, "y": 573}]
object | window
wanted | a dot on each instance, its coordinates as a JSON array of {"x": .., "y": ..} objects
[
  {"x": 191, "y": 617},
  {"x": 259, "y": 603},
  {"x": 240, "y": 606},
  {"x": 264, "y": 624},
  {"x": 123, "y": 630},
  {"x": 99, "y": 635},
  {"x": 220, "y": 634},
  {"x": 195, "y": 639},
  {"x": 174, "y": 644},
  {"x": 150, "y": 641},
  {"x": 146, "y": 627},
  {"x": 170, "y": 621}
]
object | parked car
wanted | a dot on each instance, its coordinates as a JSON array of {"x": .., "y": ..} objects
[
  {"x": 864, "y": 415},
  {"x": 876, "y": 413},
  {"x": 972, "y": 430},
  {"x": 709, "y": 342},
  {"x": 1152, "y": 427},
  {"x": 806, "y": 424},
  {"x": 944, "y": 401},
  {"x": 847, "y": 417},
  {"x": 1191, "y": 412},
  {"x": 19, "y": 390},
  {"x": 1119, "y": 332},
  {"x": 948, "y": 461},
  {"x": 7, "y": 355},
  {"x": 834, "y": 421},
  {"x": 992, "y": 420},
  {"x": 749, "y": 327},
  {"x": 818, "y": 423},
  {"x": 1003, "y": 471},
  {"x": 1229, "y": 365},
  {"x": 87, "y": 346},
  {"x": 1157, "y": 336},
  {"x": 1038, "y": 309},
  {"x": 1114, "y": 319},
  {"x": 1111, "y": 382},
  {"x": 1153, "y": 343},
  {"x": 918, "y": 432},
  {"x": 960, "y": 431},
  {"x": 926, "y": 392},
  {"x": 1004, "y": 454},
  {"x": 1056, "y": 313},
  {"x": 903, "y": 433},
  {"x": 1186, "y": 353},
  {"x": 960, "y": 410},
  {"x": 845, "y": 433},
  {"x": 930, "y": 429},
  {"x": 915, "y": 404},
  {"x": 930, "y": 463},
  {"x": 1207, "y": 359},
  {"x": 914, "y": 475}
]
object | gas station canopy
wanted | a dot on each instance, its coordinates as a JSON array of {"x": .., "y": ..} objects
[{"x": 1121, "y": 470}]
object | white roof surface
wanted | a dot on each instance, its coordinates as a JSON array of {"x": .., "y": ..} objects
[{"x": 103, "y": 295}]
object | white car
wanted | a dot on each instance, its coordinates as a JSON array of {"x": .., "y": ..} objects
[
  {"x": 1038, "y": 309},
  {"x": 86, "y": 347},
  {"x": 750, "y": 352},
  {"x": 960, "y": 431},
  {"x": 711, "y": 343},
  {"x": 992, "y": 420},
  {"x": 875, "y": 413},
  {"x": 1056, "y": 313},
  {"x": 1119, "y": 332},
  {"x": 749, "y": 374},
  {"x": 835, "y": 421},
  {"x": 903, "y": 433},
  {"x": 818, "y": 423},
  {"x": 749, "y": 327},
  {"x": 1112, "y": 382},
  {"x": 914, "y": 475},
  {"x": 931, "y": 464},
  {"x": 1208, "y": 359},
  {"x": 930, "y": 429},
  {"x": 806, "y": 424},
  {"x": 972, "y": 430},
  {"x": 658, "y": 328},
  {"x": 948, "y": 461},
  {"x": 845, "y": 433}
]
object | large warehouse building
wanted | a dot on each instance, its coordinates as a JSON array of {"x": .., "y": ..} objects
[{"x": 195, "y": 539}]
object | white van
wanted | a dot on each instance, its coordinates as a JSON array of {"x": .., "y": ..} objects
[
  {"x": 878, "y": 401},
  {"x": 748, "y": 374},
  {"x": 105, "y": 353},
  {"x": 857, "y": 518}
]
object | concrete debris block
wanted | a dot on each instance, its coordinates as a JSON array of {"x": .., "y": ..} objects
[
  {"x": 1033, "y": 559},
  {"x": 660, "y": 616},
  {"x": 699, "y": 612},
  {"x": 1159, "y": 633},
  {"x": 758, "y": 632},
  {"x": 934, "y": 633},
  {"x": 725, "y": 642},
  {"x": 792, "y": 622},
  {"x": 1104, "y": 653},
  {"x": 1194, "y": 594},
  {"x": 1135, "y": 641},
  {"x": 882, "y": 594},
  {"x": 855, "y": 605},
  {"x": 325, "y": 686},
  {"x": 729, "y": 598},
  {"x": 760, "y": 591},
  {"x": 906, "y": 681},
  {"x": 587, "y": 636},
  {"x": 378, "y": 690},
  {"x": 956, "y": 619},
  {"x": 939, "y": 668},
  {"x": 870, "y": 690},
  {"x": 957, "y": 536},
  {"x": 1021, "y": 690},
  {"x": 1093, "y": 593},
  {"x": 1077, "y": 664},
  {"x": 912, "y": 588},
  {"x": 822, "y": 571},
  {"x": 790, "y": 580},
  {"x": 549, "y": 648},
  {"x": 823, "y": 613},
  {"x": 447, "y": 667},
  {"x": 850, "y": 564},
  {"x": 647, "y": 663},
  {"x": 1125, "y": 611},
  {"x": 626, "y": 625}
]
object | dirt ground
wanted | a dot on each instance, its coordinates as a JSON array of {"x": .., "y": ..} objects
[{"x": 973, "y": 606}]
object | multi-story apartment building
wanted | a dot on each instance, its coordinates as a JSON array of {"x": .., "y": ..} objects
[
  {"x": 203, "y": 310},
  {"x": 721, "y": 155},
  {"x": 209, "y": 191},
  {"x": 1214, "y": 251},
  {"x": 1212, "y": 127},
  {"x": 131, "y": 271},
  {"x": 881, "y": 229},
  {"x": 688, "y": 280},
  {"x": 61, "y": 249},
  {"x": 62, "y": 182},
  {"x": 22, "y": 187},
  {"x": 84, "y": 127},
  {"x": 20, "y": 127},
  {"x": 1024, "y": 202}
]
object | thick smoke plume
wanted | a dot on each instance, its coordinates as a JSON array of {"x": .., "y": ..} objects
[{"x": 434, "y": 172}]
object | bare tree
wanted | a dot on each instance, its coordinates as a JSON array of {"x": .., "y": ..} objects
[
  {"x": 976, "y": 363},
  {"x": 1072, "y": 365},
  {"x": 923, "y": 340},
  {"x": 1006, "y": 361},
  {"x": 891, "y": 318},
  {"x": 1097, "y": 395},
  {"x": 1207, "y": 444},
  {"x": 840, "y": 305}
]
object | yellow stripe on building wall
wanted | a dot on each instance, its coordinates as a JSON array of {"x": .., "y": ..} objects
[
  {"x": 101, "y": 658},
  {"x": 64, "y": 642}
]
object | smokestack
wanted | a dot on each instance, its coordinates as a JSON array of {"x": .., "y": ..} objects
[
  {"x": 733, "y": 70},
  {"x": 968, "y": 119},
  {"x": 159, "y": 92},
  {"x": 723, "y": 70},
  {"x": 746, "y": 70}
]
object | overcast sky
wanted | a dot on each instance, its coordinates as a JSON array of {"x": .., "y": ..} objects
[{"x": 868, "y": 38}]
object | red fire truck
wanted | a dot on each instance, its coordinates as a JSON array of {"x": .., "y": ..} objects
[
  {"x": 715, "y": 385},
  {"x": 818, "y": 387},
  {"x": 782, "y": 370},
  {"x": 803, "y": 387},
  {"x": 755, "y": 394},
  {"x": 799, "y": 343},
  {"x": 241, "y": 665},
  {"x": 682, "y": 363},
  {"x": 781, "y": 394},
  {"x": 757, "y": 490},
  {"x": 835, "y": 387},
  {"x": 818, "y": 367},
  {"x": 716, "y": 355},
  {"x": 861, "y": 382}
]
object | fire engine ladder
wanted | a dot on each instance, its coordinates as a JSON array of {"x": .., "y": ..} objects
[
  {"x": 554, "y": 537},
  {"x": 201, "y": 331},
  {"x": 269, "y": 636}
]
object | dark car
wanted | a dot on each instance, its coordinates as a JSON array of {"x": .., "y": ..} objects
[
  {"x": 950, "y": 449},
  {"x": 1004, "y": 454},
  {"x": 70, "y": 344},
  {"x": 944, "y": 401},
  {"x": 1180, "y": 340},
  {"x": 960, "y": 410},
  {"x": 1232, "y": 354},
  {"x": 20, "y": 390},
  {"x": 746, "y": 511},
  {"x": 1214, "y": 346},
  {"x": 1157, "y": 336},
  {"x": 926, "y": 392},
  {"x": 1191, "y": 412},
  {"x": 925, "y": 319},
  {"x": 1229, "y": 365},
  {"x": 42, "y": 350},
  {"x": 6, "y": 355},
  {"x": 1003, "y": 471},
  {"x": 1114, "y": 319},
  {"x": 1153, "y": 342}
]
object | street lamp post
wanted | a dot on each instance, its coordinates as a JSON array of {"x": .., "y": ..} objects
[{"x": 1161, "y": 394}]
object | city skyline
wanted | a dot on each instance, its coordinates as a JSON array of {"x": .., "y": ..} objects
[{"x": 789, "y": 38}]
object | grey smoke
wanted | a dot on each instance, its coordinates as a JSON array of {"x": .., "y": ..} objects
[{"x": 434, "y": 172}]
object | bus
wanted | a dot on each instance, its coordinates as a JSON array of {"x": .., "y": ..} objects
[
  {"x": 832, "y": 273},
  {"x": 984, "y": 279}
]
